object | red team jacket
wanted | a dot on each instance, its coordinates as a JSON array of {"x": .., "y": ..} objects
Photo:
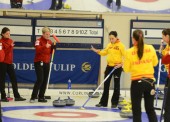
[
  {"x": 166, "y": 61},
  {"x": 7, "y": 47},
  {"x": 166, "y": 58},
  {"x": 42, "y": 52},
  {"x": 2, "y": 54}
]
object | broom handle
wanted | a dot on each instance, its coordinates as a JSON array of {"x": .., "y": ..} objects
[
  {"x": 51, "y": 62},
  {"x": 99, "y": 87},
  {"x": 159, "y": 72}
]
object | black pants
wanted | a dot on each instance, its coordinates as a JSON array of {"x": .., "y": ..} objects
[
  {"x": 42, "y": 72},
  {"x": 9, "y": 69},
  {"x": 115, "y": 98},
  {"x": 16, "y": 3},
  {"x": 54, "y": 6},
  {"x": 118, "y": 3},
  {"x": 167, "y": 104},
  {"x": 137, "y": 90}
]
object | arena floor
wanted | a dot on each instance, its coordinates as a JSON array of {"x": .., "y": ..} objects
[{"x": 45, "y": 112}]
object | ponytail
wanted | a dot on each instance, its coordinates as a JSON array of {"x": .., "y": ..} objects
[
  {"x": 138, "y": 36},
  {"x": 140, "y": 48}
]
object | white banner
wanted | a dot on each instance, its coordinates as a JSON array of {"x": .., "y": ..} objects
[{"x": 87, "y": 32}]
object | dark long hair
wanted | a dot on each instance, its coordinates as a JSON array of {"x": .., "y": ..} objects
[
  {"x": 4, "y": 30},
  {"x": 138, "y": 36},
  {"x": 166, "y": 32}
]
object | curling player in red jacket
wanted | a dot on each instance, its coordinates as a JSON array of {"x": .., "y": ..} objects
[
  {"x": 6, "y": 65},
  {"x": 43, "y": 51}
]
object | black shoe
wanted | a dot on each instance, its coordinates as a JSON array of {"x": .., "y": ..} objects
[
  {"x": 113, "y": 106},
  {"x": 4, "y": 100},
  {"x": 109, "y": 2},
  {"x": 118, "y": 8},
  {"x": 20, "y": 99},
  {"x": 42, "y": 100},
  {"x": 52, "y": 9},
  {"x": 100, "y": 105}
]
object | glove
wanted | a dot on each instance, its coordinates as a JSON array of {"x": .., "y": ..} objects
[{"x": 53, "y": 46}]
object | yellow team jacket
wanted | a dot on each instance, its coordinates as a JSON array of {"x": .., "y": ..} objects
[
  {"x": 140, "y": 68},
  {"x": 164, "y": 52},
  {"x": 115, "y": 53}
]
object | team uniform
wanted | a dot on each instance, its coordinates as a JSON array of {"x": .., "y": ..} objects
[
  {"x": 166, "y": 61},
  {"x": 42, "y": 65},
  {"x": 115, "y": 53},
  {"x": 142, "y": 76},
  {"x": 2, "y": 54},
  {"x": 6, "y": 66}
]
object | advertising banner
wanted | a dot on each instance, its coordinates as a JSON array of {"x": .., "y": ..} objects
[{"x": 81, "y": 67}]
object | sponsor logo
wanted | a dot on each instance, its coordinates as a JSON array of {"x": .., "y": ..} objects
[
  {"x": 55, "y": 67},
  {"x": 86, "y": 66}
]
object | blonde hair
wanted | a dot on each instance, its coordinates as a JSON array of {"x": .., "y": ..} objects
[{"x": 46, "y": 29}]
